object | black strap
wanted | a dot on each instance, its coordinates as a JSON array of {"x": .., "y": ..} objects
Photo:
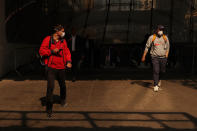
[{"x": 51, "y": 41}]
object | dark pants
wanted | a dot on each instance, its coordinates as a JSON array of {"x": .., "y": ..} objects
[
  {"x": 52, "y": 75},
  {"x": 159, "y": 68}
]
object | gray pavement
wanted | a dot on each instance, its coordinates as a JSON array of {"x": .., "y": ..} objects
[{"x": 100, "y": 105}]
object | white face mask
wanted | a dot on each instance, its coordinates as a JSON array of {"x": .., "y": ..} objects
[
  {"x": 160, "y": 33},
  {"x": 63, "y": 34}
]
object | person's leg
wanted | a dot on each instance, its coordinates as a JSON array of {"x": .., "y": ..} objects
[
  {"x": 163, "y": 62},
  {"x": 61, "y": 80},
  {"x": 155, "y": 62},
  {"x": 50, "y": 88}
]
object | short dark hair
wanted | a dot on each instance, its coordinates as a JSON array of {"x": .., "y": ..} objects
[{"x": 57, "y": 28}]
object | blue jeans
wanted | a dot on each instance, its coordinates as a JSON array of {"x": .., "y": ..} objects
[{"x": 159, "y": 68}]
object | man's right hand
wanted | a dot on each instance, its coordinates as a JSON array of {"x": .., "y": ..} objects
[
  {"x": 55, "y": 50},
  {"x": 144, "y": 56},
  {"x": 143, "y": 59},
  {"x": 69, "y": 65}
]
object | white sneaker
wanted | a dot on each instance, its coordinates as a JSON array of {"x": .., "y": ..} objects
[
  {"x": 156, "y": 88},
  {"x": 159, "y": 84}
]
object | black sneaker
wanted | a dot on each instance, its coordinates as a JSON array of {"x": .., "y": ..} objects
[
  {"x": 63, "y": 103},
  {"x": 49, "y": 113},
  {"x": 49, "y": 107},
  {"x": 73, "y": 79}
]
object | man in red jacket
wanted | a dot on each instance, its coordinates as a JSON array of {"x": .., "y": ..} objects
[{"x": 57, "y": 57}]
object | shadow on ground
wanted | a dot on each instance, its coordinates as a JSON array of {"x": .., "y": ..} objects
[
  {"x": 190, "y": 83},
  {"x": 97, "y": 121},
  {"x": 127, "y": 73},
  {"x": 114, "y": 128},
  {"x": 56, "y": 100},
  {"x": 148, "y": 85}
]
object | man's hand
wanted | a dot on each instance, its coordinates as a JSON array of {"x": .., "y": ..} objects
[
  {"x": 55, "y": 50},
  {"x": 144, "y": 56},
  {"x": 143, "y": 59},
  {"x": 69, "y": 65}
]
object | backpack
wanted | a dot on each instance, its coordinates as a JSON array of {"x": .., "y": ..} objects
[
  {"x": 154, "y": 37},
  {"x": 164, "y": 37}
]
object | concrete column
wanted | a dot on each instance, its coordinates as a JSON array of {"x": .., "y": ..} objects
[
  {"x": 12, "y": 55},
  {"x": 2, "y": 24},
  {"x": 3, "y": 48}
]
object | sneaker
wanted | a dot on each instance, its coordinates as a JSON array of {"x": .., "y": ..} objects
[
  {"x": 73, "y": 79},
  {"x": 49, "y": 113},
  {"x": 156, "y": 88},
  {"x": 63, "y": 103},
  {"x": 49, "y": 107},
  {"x": 159, "y": 84}
]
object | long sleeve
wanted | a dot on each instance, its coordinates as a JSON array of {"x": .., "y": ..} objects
[
  {"x": 44, "y": 48},
  {"x": 67, "y": 53},
  {"x": 148, "y": 43}
]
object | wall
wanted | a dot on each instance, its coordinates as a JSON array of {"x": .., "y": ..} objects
[
  {"x": 3, "y": 52},
  {"x": 12, "y": 55}
]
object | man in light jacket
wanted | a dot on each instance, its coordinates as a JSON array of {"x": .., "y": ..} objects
[{"x": 160, "y": 47}]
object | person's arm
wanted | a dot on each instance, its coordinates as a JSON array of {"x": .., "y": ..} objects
[
  {"x": 148, "y": 45},
  {"x": 67, "y": 55},
  {"x": 44, "y": 48},
  {"x": 144, "y": 55}
]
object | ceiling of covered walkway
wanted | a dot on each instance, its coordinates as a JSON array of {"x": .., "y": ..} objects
[{"x": 108, "y": 21}]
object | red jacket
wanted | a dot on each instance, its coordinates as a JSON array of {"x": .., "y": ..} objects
[{"x": 56, "y": 61}]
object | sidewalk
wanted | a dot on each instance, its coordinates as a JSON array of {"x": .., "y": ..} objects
[{"x": 100, "y": 105}]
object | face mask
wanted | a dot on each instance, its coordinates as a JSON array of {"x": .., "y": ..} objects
[
  {"x": 63, "y": 34},
  {"x": 160, "y": 33}
]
